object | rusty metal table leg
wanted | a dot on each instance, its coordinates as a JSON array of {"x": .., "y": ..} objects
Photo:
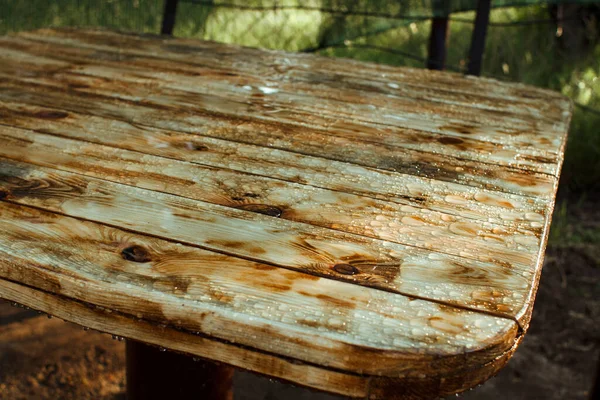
[{"x": 154, "y": 374}]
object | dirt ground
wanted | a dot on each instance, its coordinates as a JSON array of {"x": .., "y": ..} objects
[{"x": 43, "y": 358}]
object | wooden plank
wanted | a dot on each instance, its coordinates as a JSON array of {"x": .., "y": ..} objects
[
  {"x": 184, "y": 116},
  {"x": 369, "y": 217},
  {"x": 322, "y": 321},
  {"x": 344, "y": 102},
  {"x": 284, "y": 369},
  {"x": 421, "y": 193},
  {"x": 185, "y": 342},
  {"x": 202, "y": 80},
  {"x": 495, "y": 286},
  {"x": 512, "y": 97}
]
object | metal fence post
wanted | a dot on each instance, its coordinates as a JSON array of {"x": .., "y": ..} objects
[
  {"x": 168, "y": 22},
  {"x": 437, "y": 43},
  {"x": 482, "y": 19},
  {"x": 437, "y": 38}
]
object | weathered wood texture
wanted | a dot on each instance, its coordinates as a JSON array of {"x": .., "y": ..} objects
[{"x": 361, "y": 229}]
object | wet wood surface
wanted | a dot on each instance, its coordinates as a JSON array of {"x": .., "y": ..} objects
[{"x": 361, "y": 229}]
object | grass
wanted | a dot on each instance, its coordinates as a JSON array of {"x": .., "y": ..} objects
[{"x": 527, "y": 53}]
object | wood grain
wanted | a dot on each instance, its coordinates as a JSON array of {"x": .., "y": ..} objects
[
  {"x": 291, "y": 201},
  {"x": 367, "y": 230},
  {"x": 105, "y": 321},
  {"x": 446, "y": 197},
  {"x": 541, "y": 105},
  {"x": 235, "y": 84},
  {"x": 354, "y": 386},
  {"x": 239, "y": 102},
  {"x": 496, "y": 287},
  {"x": 184, "y": 115},
  {"x": 318, "y": 320}
]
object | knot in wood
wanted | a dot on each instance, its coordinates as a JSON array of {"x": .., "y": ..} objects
[
  {"x": 196, "y": 146},
  {"x": 265, "y": 209},
  {"x": 136, "y": 253},
  {"x": 346, "y": 269}
]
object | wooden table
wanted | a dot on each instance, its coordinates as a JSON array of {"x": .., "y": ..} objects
[{"x": 366, "y": 230}]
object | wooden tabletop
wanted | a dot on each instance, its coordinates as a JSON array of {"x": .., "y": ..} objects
[{"x": 362, "y": 229}]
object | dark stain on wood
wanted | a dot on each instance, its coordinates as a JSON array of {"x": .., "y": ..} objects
[
  {"x": 21, "y": 270},
  {"x": 464, "y": 129},
  {"x": 51, "y": 114},
  {"x": 149, "y": 310},
  {"x": 335, "y": 301},
  {"x": 450, "y": 309},
  {"x": 219, "y": 295},
  {"x": 246, "y": 195},
  {"x": 11, "y": 177},
  {"x": 413, "y": 199},
  {"x": 457, "y": 143},
  {"x": 484, "y": 198},
  {"x": 136, "y": 253},
  {"x": 103, "y": 172},
  {"x": 523, "y": 180},
  {"x": 379, "y": 274},
  {"x": 450, "y": 140},
  {"x": 237, "y": 245},
  {"x": 265, "y": 209},
  {"x": 183, "y": 215},
  {"x": 425, "y": 168},
  {"x": 232, "y": 244},
  {"x": 309, "y": 323},
  {"x": 263, "y": 279},
  {"x": 277, "y": 287},
  {"x": 180, "y": 283},
  {"x": 539, "y": 159},
  {"x": 195, "y": 146},
  {"x": 264, "y": 267}
]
